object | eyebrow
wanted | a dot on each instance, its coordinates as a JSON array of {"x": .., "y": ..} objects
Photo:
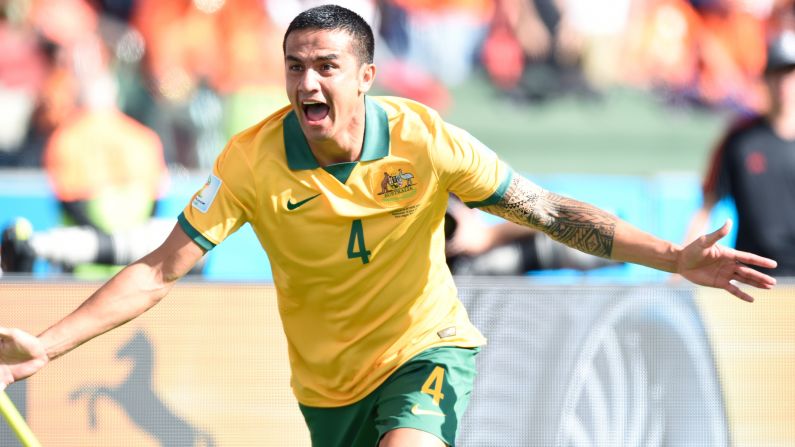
[{"x": 325, "y": 57}]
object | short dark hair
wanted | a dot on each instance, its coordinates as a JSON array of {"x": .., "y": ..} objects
[{"x": 334, "y": 17}]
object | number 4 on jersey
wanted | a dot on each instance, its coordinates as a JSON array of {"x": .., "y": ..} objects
[{"x": 356, "y": 248}]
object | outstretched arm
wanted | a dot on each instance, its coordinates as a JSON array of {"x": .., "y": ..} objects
[
  {"x": 133, "y": 291},
  {"x": 597, "y": 232}
]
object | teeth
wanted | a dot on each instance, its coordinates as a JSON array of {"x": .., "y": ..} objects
[{"x": 309, "y": 103}]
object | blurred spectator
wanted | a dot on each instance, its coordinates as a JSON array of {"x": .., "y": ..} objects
[
  {"x": 701, "y": 52},
  {"x": 732, "y": 53},
  {"x": 781, "y": 16},
  {"x": 662, "y": 44},
  {"x": 24, "y": 70},
  {"x": 474, "y": 247},
  {"x": 444, "y": 36},
  {"x": 535, "y": 48},
  {"x": 199, "y": 51},
  {"x": 432, "y": 46},
  {"x": 601, "y": 27},
  {"x": 36, "y": 83},
  {"x": 107, "y": 171},
  {"x": 755, "y": 165}
]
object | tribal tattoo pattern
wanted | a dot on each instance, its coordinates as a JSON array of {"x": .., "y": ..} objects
[{"x": 571, "y": 222}]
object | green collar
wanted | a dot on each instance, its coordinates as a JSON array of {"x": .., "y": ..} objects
[{"x": 376, "y": 138}]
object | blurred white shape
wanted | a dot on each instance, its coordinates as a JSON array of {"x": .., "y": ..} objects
[
  {"x": 209, "y": 6},
  {"x": 759, "y": 8},
  {"x": 17, "y": 11},
  {"x": 671, "y": 23},
  {"x": 598, "y": 17},
  {"x": 175, "y": 85},
  {"x": 100, "y": 91},
  {"x": 16, "y": 108},
  {"x": 669, "y": 42},
  {"x": 130, "y": 47},
  {"x": 87, "y": 57}
]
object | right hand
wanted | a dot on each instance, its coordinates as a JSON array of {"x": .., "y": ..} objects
[{"x": 21, "y": 355}]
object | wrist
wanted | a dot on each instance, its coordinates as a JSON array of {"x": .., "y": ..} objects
[
  {"x": 676, "y": 252},
  {"x": 52, "y": 349}
]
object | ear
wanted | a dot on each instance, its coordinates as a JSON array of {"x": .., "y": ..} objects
[{"x": 366, "y": 77}]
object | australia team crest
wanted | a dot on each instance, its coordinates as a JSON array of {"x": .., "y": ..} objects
[{"x": 395, "y": 184}]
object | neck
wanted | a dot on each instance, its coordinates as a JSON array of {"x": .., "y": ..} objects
[
  {"x": 345, "y": 146},
  {"x": 783, "y": 122}
]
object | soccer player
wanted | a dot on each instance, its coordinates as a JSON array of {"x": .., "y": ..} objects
[{"x": 347, "y": 194}]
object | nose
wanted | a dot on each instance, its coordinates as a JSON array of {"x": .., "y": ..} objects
[{"x": 309, "y": 82}]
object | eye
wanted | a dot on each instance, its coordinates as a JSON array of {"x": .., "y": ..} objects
[
  {"x": 295, "y": 67},
  {"x": 326, "y": 67}
]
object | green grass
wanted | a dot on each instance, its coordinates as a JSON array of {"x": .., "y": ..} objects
[{"x": 628, "y": 132}]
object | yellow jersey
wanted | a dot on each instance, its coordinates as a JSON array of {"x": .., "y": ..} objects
[{"x": 356, "y": 249}]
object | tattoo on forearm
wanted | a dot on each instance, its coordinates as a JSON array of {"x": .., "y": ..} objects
[{"x": 566, "y": 220}]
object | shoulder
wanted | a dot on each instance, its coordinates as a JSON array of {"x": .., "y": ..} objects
[
  {"x": 407, "y": 112},
  {"x": 738, "y": 134},
  {"x": 746, "y": 125}
]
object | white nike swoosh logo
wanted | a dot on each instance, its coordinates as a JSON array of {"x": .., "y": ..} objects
[{"x": 420, "y": 412}]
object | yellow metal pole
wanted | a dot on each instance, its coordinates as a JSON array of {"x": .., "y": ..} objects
[{"x": 17, "y": 422}]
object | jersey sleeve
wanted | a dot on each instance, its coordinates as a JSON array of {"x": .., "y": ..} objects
[
  {"x": 224, "y": 203},
  {"x": 469, "y": 169}
]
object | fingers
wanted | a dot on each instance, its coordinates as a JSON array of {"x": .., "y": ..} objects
[
  {"x": 5, "y": 377},
  {"x": 752, "y": 283},
  {"x": 746, "y": 275},
  {"x": 752, "y": 259},
  {"x": 8, "y": 333},
  {"x": 734, "y": 290},
  {"x": 711, "y": 238},
  {"x": 754, "y": 278}
]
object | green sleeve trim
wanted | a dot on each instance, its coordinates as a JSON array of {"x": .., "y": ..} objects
[
  {"x": 192, "y": 233},
  {"x": 497, "y": 195}
]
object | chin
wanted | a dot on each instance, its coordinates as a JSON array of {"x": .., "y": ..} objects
[
  {"x": 317, "y": 134},
  {"x": 321, "y": 130}
]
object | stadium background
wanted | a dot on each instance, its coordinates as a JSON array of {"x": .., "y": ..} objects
[{"x": 637, "y": 149}]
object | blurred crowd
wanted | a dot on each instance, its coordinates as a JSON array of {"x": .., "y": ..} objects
[{"x": 181, "y": 76}]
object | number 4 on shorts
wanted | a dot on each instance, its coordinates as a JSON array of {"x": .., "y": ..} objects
[{"x": 433, "y": 385}]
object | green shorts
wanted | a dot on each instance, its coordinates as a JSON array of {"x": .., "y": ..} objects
[{"x": 430, "y": 392}]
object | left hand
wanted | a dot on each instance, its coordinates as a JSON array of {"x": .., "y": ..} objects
[
  {"x": 705, "y": 263},
  {"x": 21, "y": 355}
]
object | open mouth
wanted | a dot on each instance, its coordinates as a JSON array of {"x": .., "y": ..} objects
[{"x": 315, "y": 111}]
